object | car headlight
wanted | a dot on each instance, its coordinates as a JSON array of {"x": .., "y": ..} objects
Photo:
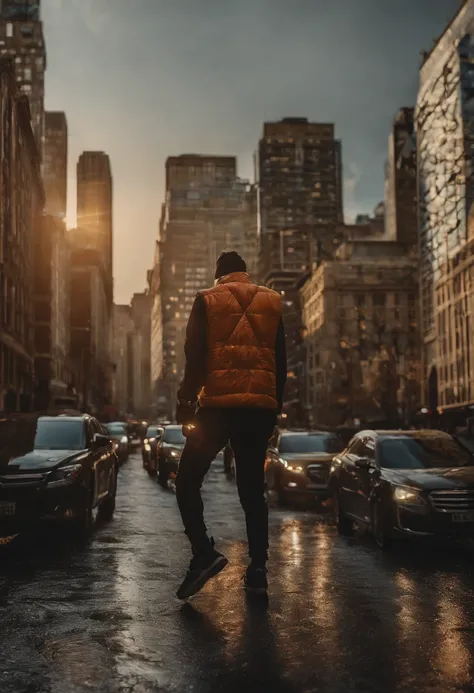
[
  {"x": 283, "y": 462},
  {"x": 408, "y": 496},
  {"x": 173, "y": 453},
  {"x": 147, "y": 447},
  {"x": 295, "y": 468},
  {"x": 124, "y": 440},
  {"x": 64, "y": 475}
]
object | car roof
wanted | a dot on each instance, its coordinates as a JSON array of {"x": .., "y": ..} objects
[
  {"x": 64, "y": 417},
  {"x": 419, "y": 433},
  {"x": 303, "y": 432}
]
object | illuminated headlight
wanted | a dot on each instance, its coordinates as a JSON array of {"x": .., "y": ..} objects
[
  {"x": 147, "y": 447},
  {"x": 295, "y": 468},
  {"x": 124, "y": 440},
  {"x": 173, "y": 453},
  {"x": 283, "y": 462},
  {"x": 408, "y": 496},
  {"x": 64, "y": 475}
]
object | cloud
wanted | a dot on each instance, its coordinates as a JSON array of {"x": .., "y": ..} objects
[{"x": 352, "y": 179}]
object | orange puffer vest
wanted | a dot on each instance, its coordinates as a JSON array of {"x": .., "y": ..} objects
[{"x": 242, "y": 324}]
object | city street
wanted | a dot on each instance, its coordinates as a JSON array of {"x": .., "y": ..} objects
[{"x": 341, "y": 615}]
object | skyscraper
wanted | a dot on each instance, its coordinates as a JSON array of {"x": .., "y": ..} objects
[
  {"x": 300, "y": 196},
  {"x": 21, "y": 32},
  {"x": 401, "y": 214},
  {"x": 300, "y": 208},
  {"x": 208, "y": 209},
  {"x": 445, "y": 145},
  {"x": 55, "y": 164},
  {"x": 94, "y": 208}
]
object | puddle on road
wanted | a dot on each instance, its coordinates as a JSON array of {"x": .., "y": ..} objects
[{"x": 80, "y": 660}]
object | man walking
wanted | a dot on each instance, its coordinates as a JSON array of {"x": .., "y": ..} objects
[{"x": 232, "y": 392}]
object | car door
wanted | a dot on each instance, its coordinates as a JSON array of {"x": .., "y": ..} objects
[
  {"x": 365, "y": 473},
  {"x": 103, "y": 463},
  {"x": 348, "y": 476},
  {"x": 273, "y": 455}
]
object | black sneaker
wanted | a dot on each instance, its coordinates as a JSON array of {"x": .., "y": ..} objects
[
  {"x": 201, "y": 569},
  {"x": 255, "y": 580}
]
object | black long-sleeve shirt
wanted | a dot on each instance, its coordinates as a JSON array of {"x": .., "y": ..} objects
[{"x": 195, "y": 350}]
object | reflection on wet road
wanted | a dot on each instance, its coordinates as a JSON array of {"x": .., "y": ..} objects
[{"x": 341, "y": 617}]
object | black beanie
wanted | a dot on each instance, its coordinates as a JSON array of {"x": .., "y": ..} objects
[{"x": 229, "y": 262}]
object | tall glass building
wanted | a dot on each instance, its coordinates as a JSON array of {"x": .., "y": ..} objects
[{"x": 445, "y": 150}]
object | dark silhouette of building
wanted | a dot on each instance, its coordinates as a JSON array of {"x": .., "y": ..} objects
[
  {"x": 21, "y": 32},
  {"x": 55, "y": 158},
  {"x": 21, "y": 206},
  {"x": 94, "y": 209},
  {"x": 300, "y": 209},
  {"x": 53, "y": 369}
]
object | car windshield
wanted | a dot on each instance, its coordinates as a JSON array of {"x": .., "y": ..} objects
[
  {"x": 174, "y": 436},
  {"x": 307, "y": 443},
  {"x": 116, "y": 429},
  {"x": 423, "y": 453},
  {"x": 59, "y": 435},
  {"x": 152, "y": 432}
]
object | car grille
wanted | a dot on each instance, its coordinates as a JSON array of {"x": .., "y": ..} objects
[
  {"x": 453, "y": 501},
  {"x": 318, "y": 473}
]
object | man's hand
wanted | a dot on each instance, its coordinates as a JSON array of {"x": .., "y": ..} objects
[{"x": 185, "y": 412}]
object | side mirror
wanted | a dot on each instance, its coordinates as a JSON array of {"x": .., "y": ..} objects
[
  {"x": 363, "y": 463},
  {"x": 101, "y": 441}
]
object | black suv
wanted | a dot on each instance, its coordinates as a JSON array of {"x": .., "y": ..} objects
[{"x": 55, "y": 467}]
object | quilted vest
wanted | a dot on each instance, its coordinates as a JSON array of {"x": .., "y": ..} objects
[{"x": 242, "y": 324}]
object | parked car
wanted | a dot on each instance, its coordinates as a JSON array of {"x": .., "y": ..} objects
[
  {"x": 169, "y": 450},
  {"x": 298, "y": 464},
  {"x": 153, "y": 436},
  {"x": 55, "y": 467},
  {"x": 117, "y": 430},
  {"x": 410, "y": 483}
]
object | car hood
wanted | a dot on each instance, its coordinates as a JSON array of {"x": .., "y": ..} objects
[
  {"x": 305, "y": 459},
  {"x": 172, "y": 446},
  {"x": 43, "y": 460},
  {"x": 432, "y": 479}
]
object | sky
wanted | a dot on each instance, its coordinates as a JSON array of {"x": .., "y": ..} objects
[{"x": 146, "y": 79}]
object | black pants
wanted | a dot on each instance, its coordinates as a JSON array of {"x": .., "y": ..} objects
[{"x": 248, "y": 431}]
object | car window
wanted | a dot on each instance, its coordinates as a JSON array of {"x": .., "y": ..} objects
[
  {"x": 423, "y": 452},
  {"x": 356, "y": 447},
  {"x": 368, "y": 448},
  {"x": 305, "y": 443},
  {"x": 117, "y": 428},
  {"x": 174, "y": 435},
  {"x": 152, "y": 432},
  {"x": 57, "y": 434}
]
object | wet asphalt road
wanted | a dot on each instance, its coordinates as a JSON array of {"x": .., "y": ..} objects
[{"x": 341, "y": 616}]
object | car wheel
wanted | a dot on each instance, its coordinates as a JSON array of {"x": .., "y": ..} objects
[
  {"x": 380, "y": 527},
  {"x": 344, "y": 524},
  {"x": 273, "y": 485},
  {"x": 84, "y": 520},
  {"x": 107, "y": 508},
  {"x": 162, "y": 474}
]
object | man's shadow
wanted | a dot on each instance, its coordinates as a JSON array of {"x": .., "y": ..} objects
[{"x": 243, "y": 656}]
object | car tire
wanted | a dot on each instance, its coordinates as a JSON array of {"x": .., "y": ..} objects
[
  {"x": 83, "y": 523},
  {"x": 380, "y": 528},
  {"x": 162, "y": 474},
  {"x": 344, "y": 524},
  {"x": 107, "y": 508},
  {"x": 273, "y": 485}
]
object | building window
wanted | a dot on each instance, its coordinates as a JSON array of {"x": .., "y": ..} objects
[{"x": 9, "y": 30}]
